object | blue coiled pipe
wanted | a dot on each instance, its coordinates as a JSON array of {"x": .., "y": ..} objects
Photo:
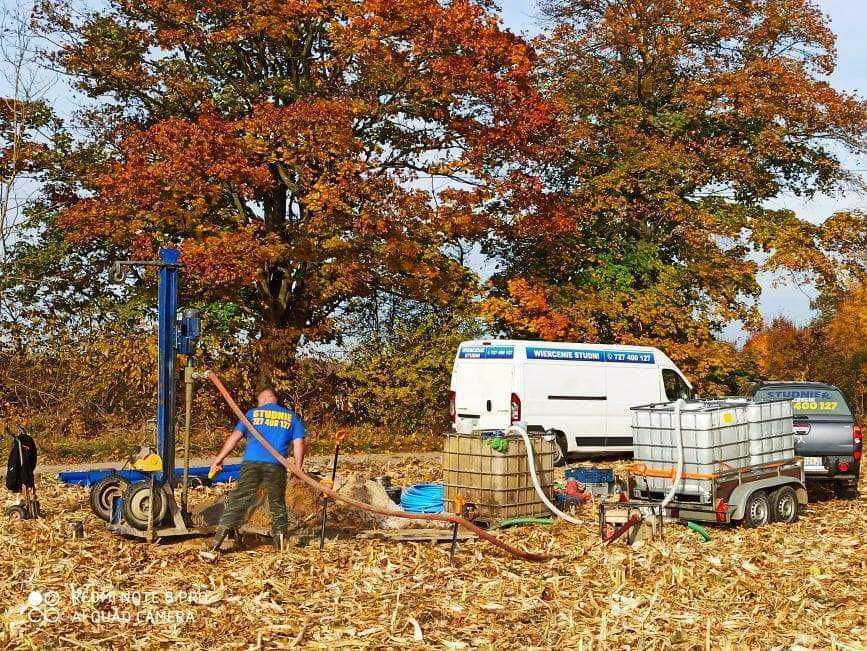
[{"x": 423, "y": 498}]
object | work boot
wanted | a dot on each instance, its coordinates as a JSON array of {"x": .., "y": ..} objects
[{"x": 211, "y": 552}]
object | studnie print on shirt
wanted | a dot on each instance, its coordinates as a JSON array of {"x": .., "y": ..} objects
[{"x": 272, "y": 418}]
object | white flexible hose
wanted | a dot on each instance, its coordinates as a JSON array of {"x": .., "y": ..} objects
[
  {"x": 528, "y": 446},
  {"x": 678, "y": 473}
]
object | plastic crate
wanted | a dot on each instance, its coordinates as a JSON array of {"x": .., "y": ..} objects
[{"x": 590, "y": 475}]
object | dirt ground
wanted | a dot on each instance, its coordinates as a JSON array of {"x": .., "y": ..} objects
[{"x": 784, "y": 587}]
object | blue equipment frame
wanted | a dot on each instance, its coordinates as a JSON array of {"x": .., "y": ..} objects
[
  {"x": 167, "y": 306},
  {"x": 175, "y": 336}
]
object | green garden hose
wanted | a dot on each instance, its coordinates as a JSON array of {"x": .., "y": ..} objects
[
  {"x": 516, "y": 521},
  {"x": 700, "y": 530}
]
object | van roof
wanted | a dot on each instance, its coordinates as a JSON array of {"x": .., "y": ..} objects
[
  {"x": 564, "y": 344},
  {"x": 555, "y": 344}
]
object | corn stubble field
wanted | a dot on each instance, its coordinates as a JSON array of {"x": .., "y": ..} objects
[{"x": 796, "y": 586}]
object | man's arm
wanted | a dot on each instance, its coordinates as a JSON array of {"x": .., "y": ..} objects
[
  {"x": 298, "y": 449},
  {"x": 231, "y": 441}
]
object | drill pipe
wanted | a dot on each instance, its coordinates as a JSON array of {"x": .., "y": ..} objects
[{"x": 307, "y": 479}]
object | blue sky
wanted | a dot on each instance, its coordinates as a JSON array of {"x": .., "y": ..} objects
[{"x": 849, "y": 22}]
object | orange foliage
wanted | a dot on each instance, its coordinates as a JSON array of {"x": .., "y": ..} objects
[
  {"x": 279, "y": 145},
  {"x": 637, "y": 219}
]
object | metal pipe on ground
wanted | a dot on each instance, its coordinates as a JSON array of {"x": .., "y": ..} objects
[{"x": 331, "y": 494}]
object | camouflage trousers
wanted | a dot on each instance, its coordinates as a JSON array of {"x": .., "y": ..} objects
[{"x": 253, "y": 477}]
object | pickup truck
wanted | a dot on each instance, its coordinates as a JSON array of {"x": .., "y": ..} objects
[{"x": 826, "y": 434}]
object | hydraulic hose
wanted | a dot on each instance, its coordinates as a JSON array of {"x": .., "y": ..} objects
[
  {"x": 678, "y": 473},
  {"x": 423, "y": 498},
  {"x": 340, "y": 497},
  {"x": 513, "y": 522},
  {"x": 528, "y": 446}
]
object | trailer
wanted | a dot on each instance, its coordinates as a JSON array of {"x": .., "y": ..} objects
[{"x": 754, "y": 495}]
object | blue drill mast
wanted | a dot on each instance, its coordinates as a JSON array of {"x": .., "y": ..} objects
[{"x": 148, "y": 508}]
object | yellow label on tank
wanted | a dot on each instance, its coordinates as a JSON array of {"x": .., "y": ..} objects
[{"x": 728, "y": 418}]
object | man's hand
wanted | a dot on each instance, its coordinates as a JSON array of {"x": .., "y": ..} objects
[{"x": 216, "y": 467}]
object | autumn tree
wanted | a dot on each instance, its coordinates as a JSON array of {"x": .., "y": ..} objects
[
  {"x": 642, "y": 221},
  {"x": 27, "y": 125},
  {"x": 287, "y": 148}
]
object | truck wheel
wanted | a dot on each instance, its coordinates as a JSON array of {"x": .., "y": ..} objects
[
  {"x": 846, "y": 491},
  {"x": 758, "y": 510},
  {"x": 784, "y": 505},
  {"x": 103, "y": 492}
]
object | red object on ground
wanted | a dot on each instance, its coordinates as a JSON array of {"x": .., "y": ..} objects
[{"x": 572, "y": 488}]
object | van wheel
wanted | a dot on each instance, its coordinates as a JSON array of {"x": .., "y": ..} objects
[
  {"x": 758, "y": 510},
  {"x": 560, "y": 453},
  {"x": 784, "y": 505}
]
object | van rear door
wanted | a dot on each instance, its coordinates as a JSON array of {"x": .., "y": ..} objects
[{"x": 483, "y": 383}]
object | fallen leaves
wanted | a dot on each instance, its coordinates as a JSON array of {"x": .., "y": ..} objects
[{"x": 747, "y": 588}]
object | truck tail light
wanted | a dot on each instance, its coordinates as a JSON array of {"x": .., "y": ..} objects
[
  {"x": 857, "y": 441},
  {"x": 515, "y": 408},
  {"x": 843, "y": 466},
  {"x": 453, "y": 408}
]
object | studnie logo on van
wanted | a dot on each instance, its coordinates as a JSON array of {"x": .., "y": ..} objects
[
  {"x": 585, "y": 355},
  {"x": 486, "y": 352}
]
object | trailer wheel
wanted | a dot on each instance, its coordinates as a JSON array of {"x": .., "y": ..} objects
[
  {"x": 137, "y": 505},
  {"x": 758, "y": 510},
  {"x": 103, "y": 492},
  {"x": 784, "y": 505}
]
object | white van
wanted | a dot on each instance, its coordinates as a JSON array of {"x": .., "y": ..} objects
[{"x": 581, "y": 392}]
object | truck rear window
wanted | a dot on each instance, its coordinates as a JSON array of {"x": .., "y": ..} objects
[{"x": 808, "y": 401}]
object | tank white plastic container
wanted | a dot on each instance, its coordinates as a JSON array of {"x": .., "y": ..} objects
[
  {"x": 717, "y": 435},
  {"x": 772, "y": 436}
]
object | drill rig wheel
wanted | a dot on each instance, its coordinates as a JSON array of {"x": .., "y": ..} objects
[
  {"x": 103, "y": 492},
  {"x": 137, "y": 505},
  {"x": 16, "y": 512}
]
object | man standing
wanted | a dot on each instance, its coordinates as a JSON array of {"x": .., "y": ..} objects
[{"x": 280, "y": 426}]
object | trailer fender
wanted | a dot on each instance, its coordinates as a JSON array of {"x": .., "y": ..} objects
[{"x": 742, "y": 493}]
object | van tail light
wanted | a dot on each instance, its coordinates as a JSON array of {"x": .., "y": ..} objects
[
  {"x": 857, "y": 441},
  {"x": 453, "y": 408},
  {"x": 515, "y": 409}
]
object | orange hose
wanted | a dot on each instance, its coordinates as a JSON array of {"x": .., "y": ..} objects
[{"x": 307, "y": 479}]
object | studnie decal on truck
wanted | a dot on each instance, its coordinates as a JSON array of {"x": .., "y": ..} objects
[
  {"x": 583, "y": 355},
  {"x": 807, "y": 399}
]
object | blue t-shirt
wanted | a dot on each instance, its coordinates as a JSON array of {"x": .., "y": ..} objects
[{"x": 279, "y": 425}]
